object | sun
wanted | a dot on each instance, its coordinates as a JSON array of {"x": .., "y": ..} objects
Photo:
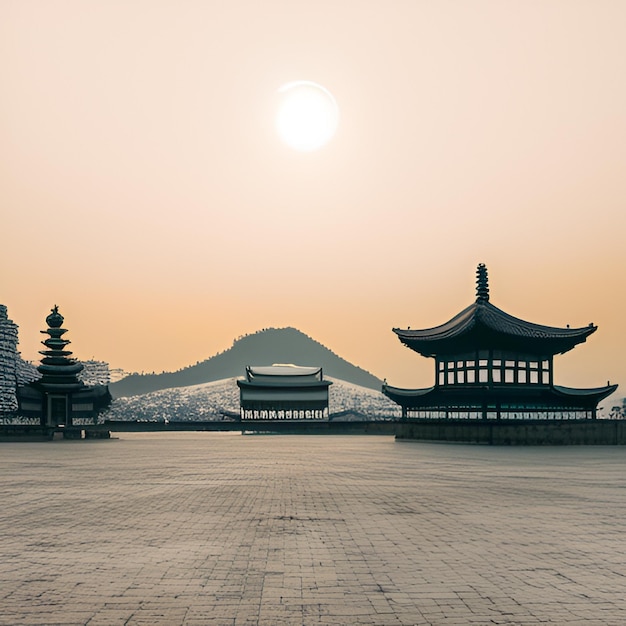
[{"x": 307, "y": 115}]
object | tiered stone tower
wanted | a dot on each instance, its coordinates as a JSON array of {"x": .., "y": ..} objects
[
  {"x": 59, "y": 397},
  {"x": 8, "y": 362},
  {"x": 59, "y": 372}
]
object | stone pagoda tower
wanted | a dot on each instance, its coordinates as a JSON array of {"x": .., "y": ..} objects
[
  {"x": 8, "y": 362},
  {"x": 59, "y": 396},
  {"x": 59, "y": 372}
]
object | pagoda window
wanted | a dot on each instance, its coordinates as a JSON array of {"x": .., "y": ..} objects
[{"x": 503, "y": 368}]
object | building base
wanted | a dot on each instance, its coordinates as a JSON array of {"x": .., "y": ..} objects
[{"x": 512, "y": 433}]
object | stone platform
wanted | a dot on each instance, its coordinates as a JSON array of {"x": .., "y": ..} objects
[{"x": 224, "y": 529}]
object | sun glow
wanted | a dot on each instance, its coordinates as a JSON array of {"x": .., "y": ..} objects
[{"x": 307, "y": 115}]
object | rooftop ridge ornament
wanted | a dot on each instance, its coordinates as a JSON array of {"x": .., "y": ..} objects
[
  {"x": 55, "y": 319},
  {"x": 482, "y": 283}
]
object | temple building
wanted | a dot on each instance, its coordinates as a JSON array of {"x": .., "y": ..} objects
[
  {"x": 491, "y": 365},
  {"x": 59, "y": 397},
  {"x": 283, "y": 392}
]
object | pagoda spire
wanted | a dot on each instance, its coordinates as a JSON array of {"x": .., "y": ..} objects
[
  {"x": 482, "y": 283},
  {"x": 59, "y": 371}
]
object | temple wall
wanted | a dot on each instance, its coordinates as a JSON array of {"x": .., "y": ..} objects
[{"x": 527, "y": 432}]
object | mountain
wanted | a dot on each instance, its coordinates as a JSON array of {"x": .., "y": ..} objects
[{"x": 265, "y": 347}]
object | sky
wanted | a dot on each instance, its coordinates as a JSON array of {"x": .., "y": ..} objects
[{"x": 144, "y": 188}]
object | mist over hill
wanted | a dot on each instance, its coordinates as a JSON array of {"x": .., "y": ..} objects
[{"x": 265, "y": 347}]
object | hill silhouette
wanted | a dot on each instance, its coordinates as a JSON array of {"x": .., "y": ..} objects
[{"x": 265, "y": 347}]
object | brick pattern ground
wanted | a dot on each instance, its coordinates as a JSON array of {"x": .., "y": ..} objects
[{"x": 224, "y": 529}]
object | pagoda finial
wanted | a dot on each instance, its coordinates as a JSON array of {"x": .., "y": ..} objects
[
  {"x": 55, "y": 319},
  {"x": 482, "y": 283}
]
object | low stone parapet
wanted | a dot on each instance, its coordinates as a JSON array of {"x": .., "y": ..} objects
[
  {"x": 97, "y": 434},
  {"x": 515, "y": 432}
]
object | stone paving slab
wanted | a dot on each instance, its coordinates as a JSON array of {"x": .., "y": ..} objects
[{"x": 224, "y": 529}]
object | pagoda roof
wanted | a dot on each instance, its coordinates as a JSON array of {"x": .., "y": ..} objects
[
  {"x": 282, "y": 369},
  {"x": 483, "y": 325},
  {"x": 283, "y": 375},
  {"x": 282, "y": 384},
  {"x": 556, "y": 396},
  {"x": 598, "y": 393}
]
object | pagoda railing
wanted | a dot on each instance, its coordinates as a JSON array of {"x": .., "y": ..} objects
[{"x": 508, "y": 413}]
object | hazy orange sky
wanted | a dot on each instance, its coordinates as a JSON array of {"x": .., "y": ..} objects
[{"x": 144, "y": 190}]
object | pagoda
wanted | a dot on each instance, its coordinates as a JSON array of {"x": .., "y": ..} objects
[
  {"x": 59, "y": 397},
  {"x": 491, "y": 365},
  {"x": 9, "y": 358}
]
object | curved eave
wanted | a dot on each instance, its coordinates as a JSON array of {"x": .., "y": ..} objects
[
  {"x": 245, "y": 384},
  {"x": 401, "y": 396},
  {"x": 471, "y": 394},
  {"x": 483, "y": 325},
  {"x": 460, "y": 323},
  {"x": 595, "y": 394},
  {"x": 59, "y": 370},
  {"x": 59, "y": 387},
  {"x": 294, "y": 371}
]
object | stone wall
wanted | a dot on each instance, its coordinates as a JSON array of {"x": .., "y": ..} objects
[{"x": 507, "y": 432}]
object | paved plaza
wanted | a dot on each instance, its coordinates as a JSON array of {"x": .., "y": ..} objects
[{"x": 230, "y": 529}]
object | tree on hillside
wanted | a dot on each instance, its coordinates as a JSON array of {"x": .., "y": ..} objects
[{"x": 618, "y": 412}]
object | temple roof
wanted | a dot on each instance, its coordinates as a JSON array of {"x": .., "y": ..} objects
[
  {"x": 484, "y": 326},
  {"x": 282, "y": 369},
  {"x": 599, "y": 393},
  {"x": 283, "y": 375},
  {"x": 556, "y": 396}
]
